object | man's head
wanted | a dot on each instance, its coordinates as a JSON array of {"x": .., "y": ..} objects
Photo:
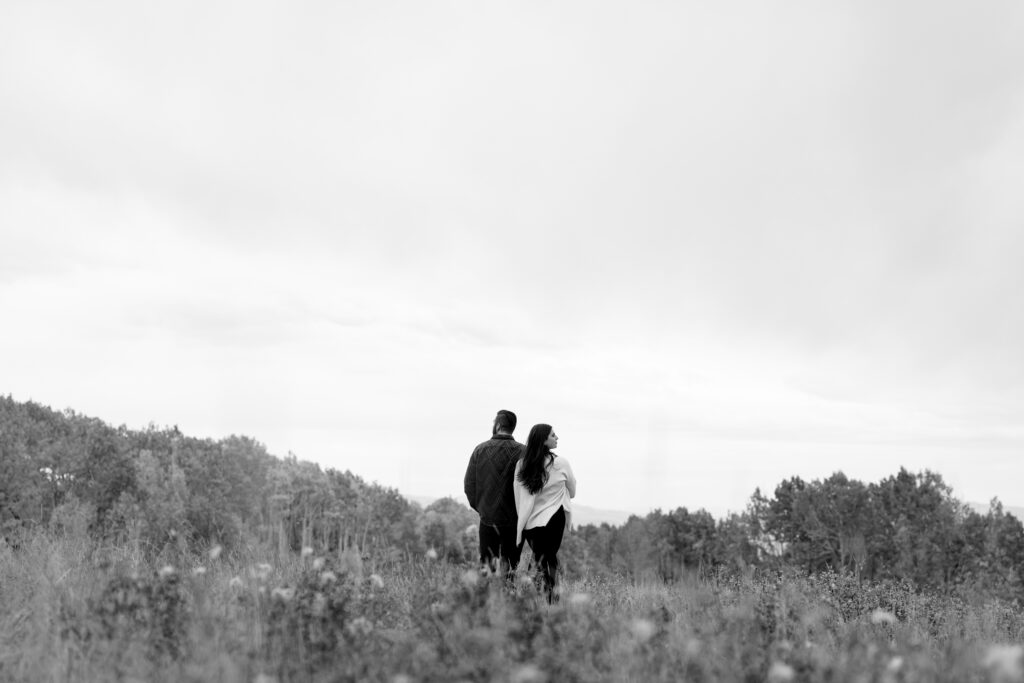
[{"x": 504, "y": 422}]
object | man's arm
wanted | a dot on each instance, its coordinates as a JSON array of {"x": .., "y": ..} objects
[{"x": 469, "y": 481}]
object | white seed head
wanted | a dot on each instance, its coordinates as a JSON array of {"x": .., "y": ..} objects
[
  {"x": 215, "y": 552},
  {"x": 376, "y": 581},
  {"x": 360, "y": 626},
  {"x": 282, "y": 593},
  {"x": 470, "y": 578},
  {"x": 642, "y": 629},
  {"x": 579, "y": 599},
  {"x": 780, "y": 672},
  {"x": 319, "y": 604},
  {"x": 306, "y": 551},
  {"x": 880, "y": 616},
  {"x": 318, "y": 564},
  {"x": 1004, "y": 661},
  {"x": 235, "y": 582},
  {"x": 198, "y": 571},
  {"x": 165, "y": 571},
  {"x": 431, "y": 554},
  {"x": 527, "y": 673},
  {"x": 328, "y": 577}
]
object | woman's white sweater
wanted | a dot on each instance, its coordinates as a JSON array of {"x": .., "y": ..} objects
[{"x": 537, "y": 509}]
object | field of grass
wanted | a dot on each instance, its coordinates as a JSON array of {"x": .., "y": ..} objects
[{"x": 73, "y": 611}]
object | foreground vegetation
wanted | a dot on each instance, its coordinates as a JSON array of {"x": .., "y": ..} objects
[
  {"x": 72, "y": 610},
  {"x": 153, "y": 556}
]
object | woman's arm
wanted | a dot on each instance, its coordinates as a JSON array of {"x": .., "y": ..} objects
[{"x": 570, "y": 478}]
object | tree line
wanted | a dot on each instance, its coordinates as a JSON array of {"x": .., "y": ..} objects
[
  {"x": 907, "y": 527},
  {"x": 167, "y": 492}
]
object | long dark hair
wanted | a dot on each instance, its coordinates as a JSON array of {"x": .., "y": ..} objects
[{"x": 536, "y": 460}]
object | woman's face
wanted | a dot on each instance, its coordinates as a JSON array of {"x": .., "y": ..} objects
[{"x": 552, "y": 441}]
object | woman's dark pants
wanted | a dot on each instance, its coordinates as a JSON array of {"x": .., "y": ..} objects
[{"x": 545, "y": 542}]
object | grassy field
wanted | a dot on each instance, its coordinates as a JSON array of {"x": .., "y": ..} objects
[{"x": 72, "y": 611}]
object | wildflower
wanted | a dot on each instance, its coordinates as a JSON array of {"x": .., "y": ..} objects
[
  {"x": 262, "y": 570},
  {"x": 318, "y": 563},
  {"x": 780, "y": 672},
  {"x": 165, "y": 571},
  {"x": 880, "y": 616},
  {"x": 360, "y": 626},
  {"x": 642, "y": 629},
  {"x": 376, "y": 581},
  {"x": 235, "y": 582},
  {"x": 528, "y": 673},
  {"x": 1004, "y": 661},
  {"x": 328, "y": 577},
  {"x": 282, "y": 593},
  {"x": 579, "y": 599},
  {"x": 198, "y": 571},
  {"x": 306, "y": 551},
  {"x": 215, "y": 552},
  {"x": 470, "y": 578},
  {"x": 895, "y": 664},
  {"x": 431, "y": 554}
]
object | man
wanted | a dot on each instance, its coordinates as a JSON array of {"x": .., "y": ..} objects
[{"x": 488, "y": 486}]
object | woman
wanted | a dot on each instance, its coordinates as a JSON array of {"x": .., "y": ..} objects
[{"x": 543, "y": 484}]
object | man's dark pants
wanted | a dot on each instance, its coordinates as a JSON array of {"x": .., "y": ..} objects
[{"x": 498, "y": 546}]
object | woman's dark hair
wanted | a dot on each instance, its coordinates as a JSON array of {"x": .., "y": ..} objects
[{"x": 538, "y": 456}]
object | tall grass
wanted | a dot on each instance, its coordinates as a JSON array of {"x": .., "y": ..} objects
[{"x": 71, "y": 610}]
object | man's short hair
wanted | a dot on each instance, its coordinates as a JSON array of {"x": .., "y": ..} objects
[{"x": 505, "y": 421}]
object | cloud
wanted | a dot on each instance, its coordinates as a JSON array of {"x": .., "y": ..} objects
[{"x": 685, "y": 231}]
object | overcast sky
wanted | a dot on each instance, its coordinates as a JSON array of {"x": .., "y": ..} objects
[{"x": 715, "y": 245}]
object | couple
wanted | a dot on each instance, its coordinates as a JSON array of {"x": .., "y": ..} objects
[{"x": 521, "y": 492}]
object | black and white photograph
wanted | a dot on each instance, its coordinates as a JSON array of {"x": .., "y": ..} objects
[{"x": 511, "y": 342}]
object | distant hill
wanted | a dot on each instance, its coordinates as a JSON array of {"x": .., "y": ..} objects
[
  {"x": 596, "y": 516},
  {"x": 582, "y": 514},
  {"x": 982, "y": 508}
]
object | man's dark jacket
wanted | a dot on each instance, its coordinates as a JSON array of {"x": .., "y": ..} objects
[{"x": 488, "y": 480}]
